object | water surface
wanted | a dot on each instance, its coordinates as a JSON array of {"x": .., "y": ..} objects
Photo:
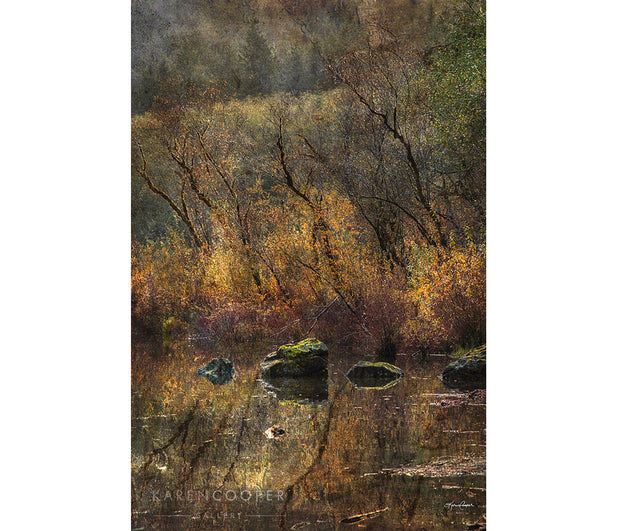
[{"x": 348, "y": 458}]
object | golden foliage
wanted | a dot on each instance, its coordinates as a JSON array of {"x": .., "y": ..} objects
[{"x": 448, "y": 291}]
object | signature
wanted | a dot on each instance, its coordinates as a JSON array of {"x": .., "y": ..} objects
[{"x": 452, "y": 505}]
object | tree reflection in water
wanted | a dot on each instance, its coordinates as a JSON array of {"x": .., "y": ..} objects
[{"x": 201, "y": 459}]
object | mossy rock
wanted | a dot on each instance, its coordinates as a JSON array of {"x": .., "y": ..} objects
[
  {"x": 306, "y": 358},
  {"x": 469, "y": 371},
  {"x": 219, "y": 371},
  {"x": 374, "y": 375}
]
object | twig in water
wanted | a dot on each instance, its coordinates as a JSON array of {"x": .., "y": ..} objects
[{"x": 363, "y": 516}]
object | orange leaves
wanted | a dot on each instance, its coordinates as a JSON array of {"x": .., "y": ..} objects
[{"x": 449, "y": 291}]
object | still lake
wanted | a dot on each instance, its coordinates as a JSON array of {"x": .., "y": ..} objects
[{"x": 308, "y": 455}]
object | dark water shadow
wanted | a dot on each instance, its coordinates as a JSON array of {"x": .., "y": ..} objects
[
  {"x": 306, "y": 390},
  {"x": 377, "y": 375}
]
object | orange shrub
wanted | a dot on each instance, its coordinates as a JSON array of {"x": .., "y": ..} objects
[
  {"x": 167, "y": 280},
  {"x": 448, "y": 291}
]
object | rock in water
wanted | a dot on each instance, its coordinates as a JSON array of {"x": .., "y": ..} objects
[
  {"x": 379, "y": 374},
  {"x": 306, "y": 358},
  {"x": 275, "y": 432},
  {"x": 219, "y": 371},
  {"x": 468, "y": 372}
]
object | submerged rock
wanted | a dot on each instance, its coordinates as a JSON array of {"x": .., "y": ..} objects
[
  {"x": 308, "y": 358},
  {"x": 219, "y": 371},
  {"x": 380, "y": 374},
  {"x": 470, "y": 371}
]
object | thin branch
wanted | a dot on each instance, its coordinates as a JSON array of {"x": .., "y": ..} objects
[
  {"x": 331, "y": 285},
  {"x": 396, "y": 133},
  {"x": 287, "y": 174},
  {"x": 316, "y": 319},
  {"x": 181, "y": 213},
  {"x": 419, "y": 225},
  {"x": 192, "y": 179}
]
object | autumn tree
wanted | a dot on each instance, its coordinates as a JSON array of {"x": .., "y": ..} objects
[
  {"x": 428, "y": 103},
  {"x": 198, "y": 176}
]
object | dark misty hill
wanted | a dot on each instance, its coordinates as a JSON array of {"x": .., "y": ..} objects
[{"x": 245, "y": 47}]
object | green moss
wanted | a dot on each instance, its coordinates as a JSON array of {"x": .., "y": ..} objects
[
  {"x": 306, "y": 358},
  {"x": 478, "y": 352},
  {"x": 380, "y": 387},
  {"x": 379, "y": 364},
  {"x": 374, "y": 375},
  {"x": 306, "y": 346},
  {"x": 470, "y": 369}
]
